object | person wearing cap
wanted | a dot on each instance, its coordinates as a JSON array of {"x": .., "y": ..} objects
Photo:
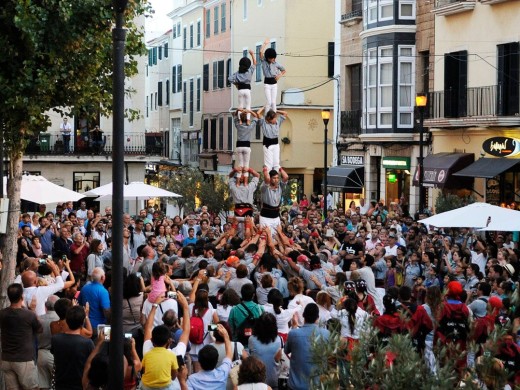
[
  {"x": 453, "y": 328},
  {"x": 311, "y": 271}
]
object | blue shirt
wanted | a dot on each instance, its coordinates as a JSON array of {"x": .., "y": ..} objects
[
  {"x": 188, "y": 241},
  {"x": 46, "y": 239},
  {"x": 298, "y": 345},
  {"x": 210, "y": 380},
  {"x": 265, "y": 353},
  {"x": 98, "y": 299}
]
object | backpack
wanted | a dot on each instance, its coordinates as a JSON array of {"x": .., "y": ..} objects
[
  {"x": 454, "y": 326},
  {"x": 197, "y": 334},
  {"x": 245, "y": 329}
]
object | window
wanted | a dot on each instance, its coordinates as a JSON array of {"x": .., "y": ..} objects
[
  {"x": 205, "y": 78},
  {"x": 406, "y": 82},
  {"x": 184, "y": 32},
  {"x": 370, "y": 85},
  {"x": 330, "y": 60},
  {"x": 455, "y": 84},
  {"x": 223, "y": 17},
  {"x": 160, "y": 91},
  {"x": 229, "y": 133},
  {"x": 191, "y": 102},
  {"x": 191, "y": 36},
  {"x": 220, "y": 133},
  {"x": 150, "y": 57},
  {"x": 174, "y": 79},
  {"x": 258, "y": 64},
  {"x": 199, "y": 32},
  {"x": 184, "y": 98},
  {"x": 215, "y": 75},
  {"x": 179, "y": 78},
  {"x": 167, "y": 92},
  {"x": 155, "y": 101},
  {"x": 244, "y": 15},
  {"x": 370, "y": 10},
  {"x": 407, "y": 9},
  {"x": 213, "y": 139},
  {"x": 216, "y": 22},
  {"x": 155, "y": 56},
  {"x": 385, "y": 87},
  {"x": 205, "y": 134},
  {"x": 221, "y": 74},
  {"x": 198, "y": 94},
  {"x": 147, "y": 112},
  {"x": 160, "y": 52},
  {"x": 208, "y": 23},
  {"x": 151, "y": 102},
  {"x": 508, "y": 75},
  {"x": 82, "y": 181},
  {"x": 174, "y": 32},
  {"x": 386, "y": 9},
  {"x": 229, "y": 72},
  {"x": 166, "y": 50},
  {"x": 179, "y": 29}
]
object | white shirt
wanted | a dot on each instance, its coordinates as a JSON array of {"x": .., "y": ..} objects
[
  {"x": 391, "y": 251},
  {"x": 359, "y": 323},
  {"x": 42, "y": 293},
  {"x": 480, "y": 260},
  {"x": 301, "y": 301},
  {"x": 65, "y": 128},
  {"x": 285, "y": 316},
  {"x": 165, "y": 305}
]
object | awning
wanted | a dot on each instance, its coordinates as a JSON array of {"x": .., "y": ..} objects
[
  {"x": 488, "y": 167},
  {"x": 346, "y": 178},
  {"x": 438, "y": 169}
]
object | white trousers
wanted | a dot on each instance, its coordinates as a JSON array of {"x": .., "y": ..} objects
[
  {"x": 243, "y": 155},
  {"x": 271, "y": 90},
  {"x": 272, "y": 157},
  {"x": 273, "y": 223},
  {"x": 244, "y": 100}
]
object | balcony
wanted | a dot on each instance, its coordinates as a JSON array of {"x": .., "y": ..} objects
[
  {"x": 137, "y": 144},
  {"x": 350, "y": 124},
  {"x": 478, "y": 106},
  {"x": 491, "y": 2},
  {"x": 450, "y": 7},
  {"x": 355, "y": 15}
]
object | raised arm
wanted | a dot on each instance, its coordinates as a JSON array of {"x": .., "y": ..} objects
[
  {"x": 284, "y": 113},
  {"x": 285, "y": 176},
  {"x": 264, "y": 46},
  {"x": 259, "y": 112},
  {"x": 267, "y": 179},
  {"x": 252, "y": 54}
]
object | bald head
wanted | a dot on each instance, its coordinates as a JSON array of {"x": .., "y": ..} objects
[
  {"x": 49, "y": 303},
  {"x": 29, "y": 279},
  {"x": 148, "y": 252}
]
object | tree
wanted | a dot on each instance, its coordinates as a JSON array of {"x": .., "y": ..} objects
[
  {"x": 57, "y": 55},
  {"x": 215, "y": 194},
  {"x": 185, "y": 181}
]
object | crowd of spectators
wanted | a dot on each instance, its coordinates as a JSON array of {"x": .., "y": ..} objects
[{"x": 210, "y": 304}]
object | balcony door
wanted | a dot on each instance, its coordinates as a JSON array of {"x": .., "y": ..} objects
[
  {"x": 508, "y": 101},
  {"x": 455, "y": 84}
]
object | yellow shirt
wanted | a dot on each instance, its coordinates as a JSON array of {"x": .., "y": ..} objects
[{"x": 158, "y": 365}]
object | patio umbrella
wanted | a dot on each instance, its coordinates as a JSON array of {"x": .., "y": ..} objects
[
  {"x": 99, "y": 191},
  {"x": 477, "y": 215},
  {"x": 140, "y": 191},
  {"x": 39, "y": 190}
]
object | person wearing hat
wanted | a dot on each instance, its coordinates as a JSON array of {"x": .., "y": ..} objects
[
  {"x": 453, "y": 328},
  {"x": 310, "y": 270}
]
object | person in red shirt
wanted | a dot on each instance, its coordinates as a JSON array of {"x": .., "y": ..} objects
[{"x": 78, "y": 253}]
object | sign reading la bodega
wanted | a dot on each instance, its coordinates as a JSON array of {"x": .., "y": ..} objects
[{"x": 501, "y": 146}]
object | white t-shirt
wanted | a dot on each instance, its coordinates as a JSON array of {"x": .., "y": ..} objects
[
  {"x": 165, "y": 305},
  {"x": 302, "y": 301},
  {"x": 223, "y": 312},
  {"x": 284, "y": 318},
  {"x": 359, "y": 323}
]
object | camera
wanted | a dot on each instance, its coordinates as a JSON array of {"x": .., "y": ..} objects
[
  {"x": 138, "y": 274},
  {"x": 105, "y": 329},
  {"x": 128, "y": 335},
  {"x": 64, "y": 257},
  {"x": 180, "y": 360},
  {"x": 212, "y": 327},
  {"x": 43, "y": 261},
  {"x": 172, "y": 294}
]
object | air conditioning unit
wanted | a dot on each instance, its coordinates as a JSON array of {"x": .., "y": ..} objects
[{"x": 375, "y": 150}]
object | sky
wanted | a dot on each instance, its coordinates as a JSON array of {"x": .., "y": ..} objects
[{"x": 160, "y": 23}]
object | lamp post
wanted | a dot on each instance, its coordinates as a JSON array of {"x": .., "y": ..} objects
[
  {"x": 420, "y": 102},
  {"x": 325, "y": 115},
  {"x": 116, "y": 379}
]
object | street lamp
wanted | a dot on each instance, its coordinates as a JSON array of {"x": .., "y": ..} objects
[
  {"x": 325, "y": 115},
  {"x": 420, "y": 102},
  {"x": 116, "y": 379}
]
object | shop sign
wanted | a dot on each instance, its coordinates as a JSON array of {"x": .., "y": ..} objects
[
  {"x": 352, "y": 160},
  {"x": 493, "y": 191},
  {"x": 396, "y": 162},
  {"x": 501, "y": 146}
]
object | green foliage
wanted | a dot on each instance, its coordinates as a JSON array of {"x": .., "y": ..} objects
[
  {"x": 57, "y": 54},
  {"x": 214, "y": 193},
  {"x": 370, "y": 366},
  {"x": 447, "y": 202},
  {"x": 185, "y": 181}
]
